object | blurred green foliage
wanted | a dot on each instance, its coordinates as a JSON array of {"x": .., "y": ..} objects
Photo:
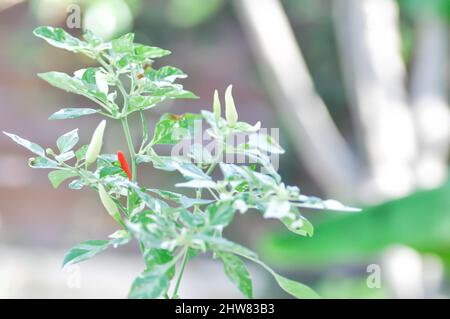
[
  {"x": 442, "y": 7},
  {"x": 188, "y": 13},
  {"x": 349, "y": 287},
  {"x": 421, "y": 221}
]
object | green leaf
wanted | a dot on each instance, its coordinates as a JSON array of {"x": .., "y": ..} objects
[
  {"x": 150, "y": 284},
  {"x": 191, "y": 219},
  {"x": 33, "y": 147},
  {"x": 265, "y": 143},
  {"x": 225, "y": 245},
  {"x": 328, "y": 204},
  {"x": 59, "y": 176},
  {"x": 62, "y": 81},
  {"x": 200, "y": 154},
  {"x": 42, "y": 162},
  {"x": 155, "y": 257},
  {"x": 75, "y": 85},
  {"x": 76, "y": 184},
  {"x": 295, "y": 288},
  {"x": 151, "y": 202},
  {"x": 71, "y": 113},
  {"x": 198, "y": 183},
  {"x": 180, "y": 199},
  {"x": 65, "y": 156},
  {"x": 84, "y": 251},
  {"x": 299, "y": 225},
  {"x": 180, "y": 164},
  {"x": 172, "y": 128},
  {"x": 277, "y": 208},
  {"x": 111, "y": 170},
  {"x": 124, "y": 44},
  {"x": 237, "y": 272},
  {"x": 220, "y": 214},
  {"x": 212, "y": 120},
  {"x": 67, "y": 141},
  {"x": 91, "y": 38},
  {"x": 148, "y": 52},
  {"x": 246, "y": 128},
  {"x": 81, "y": 152},
  {"x": 165, "y": 74},
  {"x": 88, "y": 76},
  {"x": 142, "y": 103},
  {"x": 59, "y": 38},
  {"x": 189, "y": 170}
]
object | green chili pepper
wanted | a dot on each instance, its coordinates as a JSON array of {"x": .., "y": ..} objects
[
  {"x": 95, "y": 146},
  {"x": 109, "y": 204},
  {"x": 230, "y": 108},
  {"x": 216, "y": 106}
]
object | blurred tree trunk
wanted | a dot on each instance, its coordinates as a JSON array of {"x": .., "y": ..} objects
[
  {"x": 429, "y": 80},
  {"x": 316, "y": 139},
  {"x": 370, "y": 45}
]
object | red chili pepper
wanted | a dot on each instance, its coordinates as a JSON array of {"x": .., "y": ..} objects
[{"x": 124, "y": 164}]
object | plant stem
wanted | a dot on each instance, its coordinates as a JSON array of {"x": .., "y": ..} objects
[
  {"x": 216, "y": 160},
  {"x": 209, "y": 171},
  {"x": 180, "y": 275},
  {"x": 126, "y": 130}
]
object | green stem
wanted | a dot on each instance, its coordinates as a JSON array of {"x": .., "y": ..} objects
[
  {"x": 209, "y": 171},
  {"x": 129, "y": 140},
  {"x": 126, "y": 130},
  {"x": 216, "y": 160},
  {"x": 180, "y": 275},
  {"x": 130, "y": 145}
]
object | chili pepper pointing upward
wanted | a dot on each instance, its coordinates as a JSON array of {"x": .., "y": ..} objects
[
  {"x": 124, "y": 164},
  {"x": 95, "y": 145}
]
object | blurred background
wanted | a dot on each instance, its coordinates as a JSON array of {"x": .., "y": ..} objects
[{"x": 358, "y": 88}]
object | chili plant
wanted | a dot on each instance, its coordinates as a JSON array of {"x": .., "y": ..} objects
[{"x": 170, "y": 227}]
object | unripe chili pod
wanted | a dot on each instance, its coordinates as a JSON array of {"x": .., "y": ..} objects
[
  {"x": 124, "y": 164},
  {"x": 216, "y": 106},
  {"x": 95, "y": 146},
  {"x": 109, "y": 204},
  {"x": 230, "y": 108}
]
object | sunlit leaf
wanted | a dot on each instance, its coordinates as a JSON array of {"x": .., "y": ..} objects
[
  {"x": 294, "y": 288},
  {"x": 172, "y": 128},
  {"x": 42, "y": 162},
  {"x": 85, "y": 251},
  {"x": 59, "y": 176},
  {"x": 67, "y": 141},
  {"x": 59, "y": 38},
  {"x": 150, "y": 284},
  {"x": 237, "y": 272},
  {"x": 220, "y": 214},
  {"x": 149, "y": 52},
  {"x": 33, "y": 147},
  {"x": 71, "y": 113}
]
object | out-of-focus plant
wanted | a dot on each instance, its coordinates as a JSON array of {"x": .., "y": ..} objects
[
  {"x": 169, "y": 226},
  {"x": 441, "y": 7},
  {"x": 420, "y": 220},
  {"x": 188, "y": 13}
]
